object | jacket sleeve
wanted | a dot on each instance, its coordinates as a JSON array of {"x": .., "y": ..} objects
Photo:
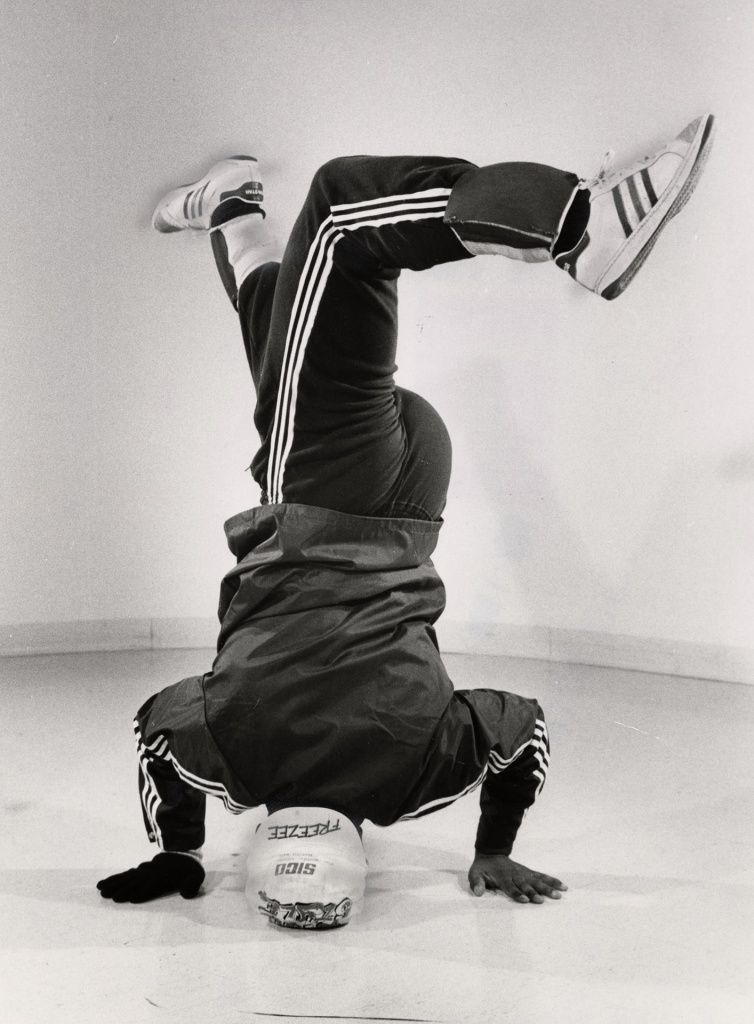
[
  {"x": 511, "y": 786},
  {"x": 173, "y": 810}
]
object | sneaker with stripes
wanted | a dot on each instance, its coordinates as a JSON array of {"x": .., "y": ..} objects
[
  {"x": 629, "y": 208},
  {"x": 231, "y": 188}
]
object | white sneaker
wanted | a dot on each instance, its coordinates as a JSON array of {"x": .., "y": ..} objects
[
  {"x": 221, "y": 194},
  {"x": 629, "y": 208}
]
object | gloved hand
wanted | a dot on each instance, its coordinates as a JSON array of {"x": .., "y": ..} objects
[{"x": 165, "y": 873}]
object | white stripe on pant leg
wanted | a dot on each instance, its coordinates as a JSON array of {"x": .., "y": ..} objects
[
  {"x": 299, "y": 330},
  {"x": 377, "y": 222},
  {"x": 302, "y": 299},
  {"x": 380, "y": 211},
  {"x": 429, "y": 193},
  {"x": 319, "y": 272},
  {"x": 303, "y": 293},
  {"x": 300, "y": 358},
  {"x": 390, "y": 214},
  {"x": 284, "y": 370}
]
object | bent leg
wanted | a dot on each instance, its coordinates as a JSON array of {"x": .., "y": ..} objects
[
  {"x": 327, "y": 412},
  {"x": 366, "y": 219},
  {"x": 328, "y": 418}
]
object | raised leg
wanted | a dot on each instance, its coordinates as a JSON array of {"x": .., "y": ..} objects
[
  {"x": 320, "y": 330},
  {"x": 327, "y": 412}
]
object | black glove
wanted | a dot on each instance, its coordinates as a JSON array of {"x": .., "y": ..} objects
[{"x": 167, "y": 872}]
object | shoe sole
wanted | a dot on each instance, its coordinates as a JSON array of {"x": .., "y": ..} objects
[
  {"x": 164, "y": 226},
  {"x": 619, "y": 285}
]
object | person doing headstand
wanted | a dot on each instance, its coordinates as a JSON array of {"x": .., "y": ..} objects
[{"x": 328, "y": 701}]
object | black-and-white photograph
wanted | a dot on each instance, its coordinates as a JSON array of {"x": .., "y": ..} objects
[{"x": 377, "y": 509}]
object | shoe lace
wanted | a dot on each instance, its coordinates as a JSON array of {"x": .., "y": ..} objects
[{"x": 605, "y": 166}]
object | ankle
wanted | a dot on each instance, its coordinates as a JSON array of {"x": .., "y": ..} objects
[{"x": 231, "y": 209}]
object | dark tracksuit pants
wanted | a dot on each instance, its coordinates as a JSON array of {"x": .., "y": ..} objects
[{"x": 320, "y": 333}]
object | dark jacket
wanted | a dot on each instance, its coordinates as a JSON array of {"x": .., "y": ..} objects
[
  {"x": 328, "y": 689},
  {"x": 328, "y": 656}
]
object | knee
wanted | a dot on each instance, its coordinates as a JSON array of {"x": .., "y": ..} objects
[{"x": 332, "y": 174}]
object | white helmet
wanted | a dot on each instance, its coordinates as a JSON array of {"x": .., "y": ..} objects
[{"x": 306, "y": 868}]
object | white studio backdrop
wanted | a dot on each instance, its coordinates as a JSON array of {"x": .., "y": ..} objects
[{"x": 601, "y": 504}]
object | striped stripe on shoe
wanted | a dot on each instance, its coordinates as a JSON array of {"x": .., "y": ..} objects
[
  {"x": 634, "y": 198},
  {"x": 630, "y": 207},
  {"x": 234, "y": 179}
]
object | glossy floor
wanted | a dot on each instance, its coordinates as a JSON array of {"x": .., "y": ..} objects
[{"x": 647, "y": 815}]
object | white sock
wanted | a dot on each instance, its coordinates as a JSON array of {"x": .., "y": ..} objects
[{"x": 249, "y": 243}]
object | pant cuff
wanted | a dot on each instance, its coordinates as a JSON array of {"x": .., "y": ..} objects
[{"x": 511, "y": 209}]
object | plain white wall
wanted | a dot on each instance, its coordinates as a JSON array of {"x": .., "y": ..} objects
[{"x": 604, "y": 452}]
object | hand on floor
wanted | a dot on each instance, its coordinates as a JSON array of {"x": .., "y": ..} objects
[
  {"x": 496, "y": 871},
  {"x": 165, "y": 873}
]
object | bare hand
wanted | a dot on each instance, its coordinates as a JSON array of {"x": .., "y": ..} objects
[{"x": 496, "y": 871}]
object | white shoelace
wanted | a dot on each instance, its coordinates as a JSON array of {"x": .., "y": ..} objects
[{"x": 605, "y": 167}]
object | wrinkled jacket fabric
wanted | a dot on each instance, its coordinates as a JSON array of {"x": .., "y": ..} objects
[
  {"x": 328, "y": 690},
  {"x": 328, "y": 685}
]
